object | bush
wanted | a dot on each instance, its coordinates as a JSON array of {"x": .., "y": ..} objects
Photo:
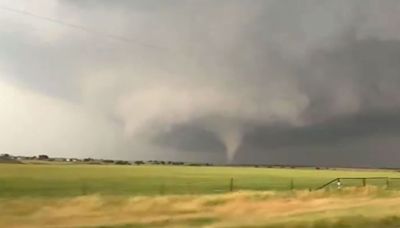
[
  {"x": 139, "y": 162},
  {"x": 122, "y": 163},
  {"x": 43, "y": 157}
]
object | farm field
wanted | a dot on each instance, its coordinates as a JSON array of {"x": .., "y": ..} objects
[
  {"x": 55, "y": 195},
  {"x": 27, "y": 180}
]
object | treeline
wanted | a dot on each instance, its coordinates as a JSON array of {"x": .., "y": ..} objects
[
  {"x": 141, "y": 162},
  {"x": 93, "y": 161},
  {"x": 280, "y": 166}
]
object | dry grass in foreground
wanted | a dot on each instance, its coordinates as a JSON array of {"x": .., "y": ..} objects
[{"x": 353, "y": 207}]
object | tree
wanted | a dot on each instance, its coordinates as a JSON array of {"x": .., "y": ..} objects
[
  {"x": 5, "y": 156},
  {"x": 139, "y": 162},
  {"x": 122, "y": 163},
  {"x": 43, "y": 157}
]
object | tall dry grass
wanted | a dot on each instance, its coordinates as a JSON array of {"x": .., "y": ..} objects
[{"x": 239, "y": 209}]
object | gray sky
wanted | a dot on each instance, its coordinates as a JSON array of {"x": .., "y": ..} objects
[{"x": 278, "y": 81}]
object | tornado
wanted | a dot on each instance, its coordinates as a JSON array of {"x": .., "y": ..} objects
[
  {"x": 230, "y": 133},
  {"x": 232, "y": 140}
]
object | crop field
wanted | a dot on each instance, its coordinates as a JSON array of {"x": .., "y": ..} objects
[{"x": 55, "y": 195}]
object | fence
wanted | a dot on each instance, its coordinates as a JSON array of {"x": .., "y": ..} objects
[
  {"x": 387, "y": 182},
  {"x": 15, "y": 187}
]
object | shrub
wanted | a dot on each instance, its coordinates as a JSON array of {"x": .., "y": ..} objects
[
  {"x": 43, "y": 157},
  {"x": 139, "y": 162},
  {"x": 122, "y": 163}
]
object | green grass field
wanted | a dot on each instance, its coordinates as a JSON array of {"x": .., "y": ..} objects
[
  {"x": 54, "y": 195},
  {"x": 17, "y": 180}
]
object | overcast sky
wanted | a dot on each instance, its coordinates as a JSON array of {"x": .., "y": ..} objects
[{"x": 270, "y": 81}]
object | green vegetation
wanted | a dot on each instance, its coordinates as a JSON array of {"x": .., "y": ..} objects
[
  {"x": 52, "y": 194},
  {"x": 40, "y": 180},
  {"x": 351, "y": 207}
]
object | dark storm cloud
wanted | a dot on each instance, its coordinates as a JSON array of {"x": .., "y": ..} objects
[
  {"x": 264, "y": 81},
  {"x": 370, "y": 67},
  {"x": 344, "y": 129},
  {"x": 191, "y": 138}
]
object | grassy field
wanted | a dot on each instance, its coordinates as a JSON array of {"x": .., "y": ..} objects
[
  {"x": 74, "y": 180},
  {"x": 352, "y": 207},
  {"x": 55, "y": 195},
  {"x": 18, "y": 180}
]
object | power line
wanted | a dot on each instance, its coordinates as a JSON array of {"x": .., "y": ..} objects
[
  {"x": 95, "y": 32},
  {"x": 78, "y": 27}
]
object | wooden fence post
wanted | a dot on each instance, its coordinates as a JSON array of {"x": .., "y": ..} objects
[
  {"x": 291, "y": 184},
  {"x": 231, "y": 185},
  {"x": 84, "y": 188},
  {"x": 364, "y": 180},
  {"x": 387, "y": 182}
]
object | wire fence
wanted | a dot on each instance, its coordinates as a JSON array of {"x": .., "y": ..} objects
[
  {"x": 341, "y": 182},
  {"x": 31, "y": 187}
]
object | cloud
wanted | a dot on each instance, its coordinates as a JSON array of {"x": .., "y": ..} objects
[
  {"x": 32, "y": 123},
  {"x": 252, "y": 79}
]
